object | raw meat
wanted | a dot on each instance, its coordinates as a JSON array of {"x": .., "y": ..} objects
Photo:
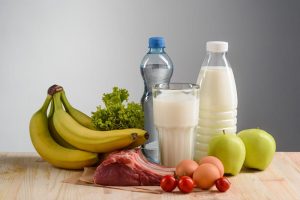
[{"x": 129, "y": 168}]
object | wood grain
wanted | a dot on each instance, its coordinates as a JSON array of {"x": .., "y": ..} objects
[{"x": 27, "y": 176}]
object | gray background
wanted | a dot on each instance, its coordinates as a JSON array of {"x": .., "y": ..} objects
[{"x": 90, "y": 46}]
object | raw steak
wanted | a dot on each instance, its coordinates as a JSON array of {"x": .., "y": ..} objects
[{"x": 129, "y": 168}]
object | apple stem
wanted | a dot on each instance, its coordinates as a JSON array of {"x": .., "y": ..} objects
[{"x": 223, "y": 131}]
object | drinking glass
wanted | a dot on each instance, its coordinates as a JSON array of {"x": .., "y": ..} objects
[{"x": 176, "y": 113}]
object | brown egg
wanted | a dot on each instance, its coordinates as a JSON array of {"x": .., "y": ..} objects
[
  {"x": 186, "y": 168},
  {"x": 206, "y": 175},
  {"x": 215, "y": 161}
]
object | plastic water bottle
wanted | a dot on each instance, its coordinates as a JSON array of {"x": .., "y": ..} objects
[
  {"x": 156, "y": 67},
  {"x": 218, "y": 97}
]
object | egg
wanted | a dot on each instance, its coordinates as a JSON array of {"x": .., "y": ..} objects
[
  {"x": 215, "y": 161},
  {"x": 206, "y": 175},
  {"x": 186, "y": 168}
]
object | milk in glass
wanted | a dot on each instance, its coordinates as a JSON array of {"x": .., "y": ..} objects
[{"x": 176, "y": 113}]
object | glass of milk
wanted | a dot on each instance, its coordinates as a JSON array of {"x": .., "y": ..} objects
[{"x": 176, "y": 112}]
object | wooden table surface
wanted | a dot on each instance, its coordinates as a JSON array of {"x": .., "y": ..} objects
[{"x": 27, "y": 176}]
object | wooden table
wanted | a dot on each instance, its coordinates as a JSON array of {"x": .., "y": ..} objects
[{"x": 27, "y": 176}]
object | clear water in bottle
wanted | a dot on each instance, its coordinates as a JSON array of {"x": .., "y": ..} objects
[{"x": 156, "y": 67}]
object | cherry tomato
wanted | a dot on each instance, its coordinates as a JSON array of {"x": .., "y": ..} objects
[
  {"x": 186, "y": 184},
  {"x": 222, "y": 184},
  {"x": 168, "y": 183}
]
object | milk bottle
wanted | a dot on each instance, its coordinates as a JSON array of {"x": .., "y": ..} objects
[{"x": 218, "y": 97}]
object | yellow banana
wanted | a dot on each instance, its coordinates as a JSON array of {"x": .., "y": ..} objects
[
  {"x": 79, "y": 116},
  {"x": 53, "y": 131},
  {"x": 87, "y": 139},
  {"x": 142, "y": 138},
  {"x": 52, "y": 152}
]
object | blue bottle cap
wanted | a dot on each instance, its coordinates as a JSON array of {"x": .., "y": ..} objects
[{"x": 156, "y": 42}]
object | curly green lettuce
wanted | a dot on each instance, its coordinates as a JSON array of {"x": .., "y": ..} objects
[{"x": 118, "y": 113}]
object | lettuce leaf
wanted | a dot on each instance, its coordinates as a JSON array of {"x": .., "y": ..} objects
[{"x": 117, "y": 112}]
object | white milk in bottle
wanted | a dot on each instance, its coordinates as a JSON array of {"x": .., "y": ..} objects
[{"x": 218, "y": 97}]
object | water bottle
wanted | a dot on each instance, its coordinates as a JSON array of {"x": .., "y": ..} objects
[
  {"x": 156, "y": 67},
  {"x": 218, "y": 97}
]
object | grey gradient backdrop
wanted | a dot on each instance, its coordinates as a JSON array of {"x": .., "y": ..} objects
[{"x": 90, "y": 46}]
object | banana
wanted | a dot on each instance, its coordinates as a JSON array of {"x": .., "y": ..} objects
[
  {"x": 52, "y": 152},
  {"x": 79, "y": 116},
  {"x": 142, "y": 138},
  {"x": 87, "y": 139},
  {"x": 53, "y": 131}
]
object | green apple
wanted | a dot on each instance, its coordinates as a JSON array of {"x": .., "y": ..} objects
[
  {"x": 260, "y": 148},
  {"x": 230, "y": 149}
]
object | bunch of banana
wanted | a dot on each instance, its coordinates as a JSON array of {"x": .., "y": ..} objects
[
  {"x": 67, "y": 138},
  {"x": 52, "y": 152}
]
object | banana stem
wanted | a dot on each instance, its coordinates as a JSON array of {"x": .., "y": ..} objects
[
  {"x": 51, "y": 109},
  {"x": 57, "y": 101},
  {"x": 46, "y": 103},
  {"x": 65, "y": 101},
  {"x": 54, "y": 89}
]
